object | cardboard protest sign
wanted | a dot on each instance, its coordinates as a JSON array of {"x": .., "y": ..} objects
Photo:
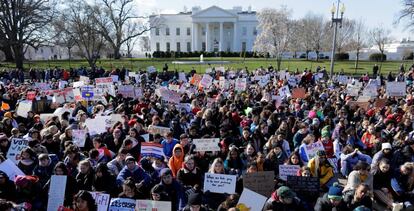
[
  {"x": 298, "y": 93},
  {"x": 220, "y": 183},
  {"x": 24, "y": 107},
  {"x": 311, "y": 149},
  {"x": 206, "y": 144},
  {"x": 342, "y": 79},
  {"x": 206, "y": 81},
  {"x": 395, "y": 89},
  {"x": 126, "y": 91},
  {"x": 308, "y": 186},
  {"x": 380, "y": 103},
  {"x": 158, "y": 130},
  {"x": 10, "y": 169},
  {"x": 284, "y": 91},
  {"x": 287, "y": 170},
  {"x": 250, "y": 200},
  {"x": 78, "y": 84},
  {"x": 152, "y": 150},
  {"x": 101, "y": 200},
  {"x": 122, "y": 204},
  {"x": 16, "y": 146},
  {"x": 79, "y": 137},
  {"x": 241, "y": 84},
  {"x": 149, "y": 205},
  {"x": 56, "y": 192},
  {"x": 261, "y": 182}
]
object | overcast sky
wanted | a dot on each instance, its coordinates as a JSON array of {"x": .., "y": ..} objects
[{"x": 373, "y": 12}]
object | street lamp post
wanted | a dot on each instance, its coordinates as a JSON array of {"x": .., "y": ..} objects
[{"x": 335, "y": 20}]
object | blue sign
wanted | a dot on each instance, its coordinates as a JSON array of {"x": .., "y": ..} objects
[{"x": 87, "y": 92}]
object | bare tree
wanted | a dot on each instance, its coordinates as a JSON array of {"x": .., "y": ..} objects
[
  {"x": 276, "y": 31},
  {"x": 379, "y": 37},
  {"x": 61, "y": 37},
  {"x": 358, "y": 40},
  {"x": 144, "y": 43},
  {"x": 295, "y": 40},
  {"x": 407, "y": 13},
  {"x": 23, "y": 24},
  {"x": 304, "y": 36},
  {"x": 112, "y": 16},
  {"x": 345, "y": 35},
  {"x": 316, "y": 29}
]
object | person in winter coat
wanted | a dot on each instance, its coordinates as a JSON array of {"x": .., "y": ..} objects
[
  {"x": 360, "y": 174},
  {"x": 321, "y": 168},
  {"x": 284, "y": 199},
  {"x": 386, "y": 152},
  {"x": 85, "y": 177},
  {"x": 275, "y": 158},
  {"x": 358, "y": 197},
  {"x": 382, "y": 182},
  {"x": 189, "y": 175},
  {"x": 131, "y": 169},
  {"x": 173, "y": 188},
  {"x": 45, "y": 168},
  {"x": 333, "y": 200},
  {"x": 403, "y": 184},
  {"x": 195, "y": 203},
  {"x": 71, "y": 188},
  {"x": 176, "y": 160},
  {"x": 7, "y": 187},
  {"x": 146, "y": 165},
  {"x": 104, "y": 180},
  {"x": 406, "y": 154}
]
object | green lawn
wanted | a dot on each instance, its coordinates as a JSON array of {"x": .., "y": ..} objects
[{"x": 251, "y": 63}]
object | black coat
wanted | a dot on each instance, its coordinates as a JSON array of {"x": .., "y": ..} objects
[{"x": 323, "y": 204}]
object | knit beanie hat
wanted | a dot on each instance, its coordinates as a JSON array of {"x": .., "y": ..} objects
[
  {"x": 194, "y": 199},
  {"x": 335, "y": 192},
  {"x": 325, "y": 132}
]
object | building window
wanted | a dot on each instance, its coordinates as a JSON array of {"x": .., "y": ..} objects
[
  {"x": 203, "y": 31},
  {"x": 178, "y": 47},
  {"x": 167, "y": 31},
  {"x": 167, "y": 46},
  {"x": 244, "y": 31},
  {"x": 203, "y": 46},
  {"x": 188, "y": 31},
  {"x": 177, "y": 31},
  {"x": 157, "y": 46},
  {"x": 254, "y": 31},
  {"x": 243, "y": 46},
  {"x": 157, "y": 32},
  {"x": 188, "y": 46}
]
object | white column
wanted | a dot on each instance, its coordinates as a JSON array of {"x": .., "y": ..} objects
[
  {"x": 221, "y": 37},
  {"x": 194, "y": 39},
  {"x": 207, "y": 36},
  {"x": 235, "y": 42}
]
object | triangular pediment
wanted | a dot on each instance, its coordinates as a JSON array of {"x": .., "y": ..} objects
[{"x": 213, "y": 12}]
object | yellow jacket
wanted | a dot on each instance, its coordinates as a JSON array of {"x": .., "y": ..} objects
[{"x": 325, "y": 171}]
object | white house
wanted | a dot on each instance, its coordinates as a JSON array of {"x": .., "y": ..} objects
[
  {"x": 212, "y": 29},
  {"x": 394, "y": 50}
]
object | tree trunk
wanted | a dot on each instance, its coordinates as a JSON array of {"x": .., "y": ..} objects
[
  {"x": 8, "y": 53},
  {"x": 117, "y": 54},
  {"x": 18, "y": 56},
  {"x": 357, "y": 60},
  {"x": 279, "y": 62},
  {"x": 317, "y": 55},
  {"x": 307, "y": 55}
]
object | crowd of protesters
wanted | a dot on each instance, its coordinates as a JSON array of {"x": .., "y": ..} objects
[{"x": 374, "y": 145}]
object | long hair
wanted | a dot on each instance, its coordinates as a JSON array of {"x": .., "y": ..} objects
[
  {"x": 217, "y": 160},
  {"x": 86, "y": 196}
]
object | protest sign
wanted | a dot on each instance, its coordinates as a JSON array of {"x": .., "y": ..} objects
[
  {"x": 158, "y": 130},
  {"x": 79, "y": 137},
  {"x": 292, "y": 82},
  {"x": 115, "y": 78},
  {"x": 288, "y": 170},
  {"x": 342, "y": 79},
  {"x": 352, "y": 90},
  {"x": 56, "y": 192},
  {"x": 182, "y": 77},
  {"x": 174, "y": 87},
  {"x": 370, "y": 90},
  {"x": 206, "y": 81},
  {"x": 152, "y": 150},
  {"x": 122, "y": 204},
  {"x": 42, "y": 86},
  {"x": 308, "y": 186},
  {"x": 250, "y": 200},
  {"x": 77, "y": 95},
  {"x": 261, "y": 182},
  {"x": 151, "y": 69},
  {"x": 138, "y": 92},
  {"x": 220, "y": 183},
  {"x": 379, "y": 103},
  {"x": 311, "y": 149},
  {"x": 298, "y": 93},
  {"x": 195, "y": 80},
  {"x": 78, "y": 84},
  {"x": 62, "y": 84},
  {"x": 149, "y": 205},
  {"x": 16, "y": 146},
  {"x": 264, "y": 80},
  {"x": 101, "y": 200},
  {"x": 126, "y": 91},
  {"x": 395, "y": 89},
  {"x": 97, "y": 125},
  {"x": 10, "y": 169},
  {"x": 284, "y": 91},
  {"x": 222, "y": 83},
  {"x": 106, "y": 80},
  {"x": 206, "y": 144},
  {"x": 114, "y": 119},
  {"x": 87, "y": 92},
  {"x": 58, "y": 98},
  {"x": 241, "y": 84},
  {"x": 24, "y": 107},
  {"x": 85, "y": 79},
  {"x": 46, "y": 117}
]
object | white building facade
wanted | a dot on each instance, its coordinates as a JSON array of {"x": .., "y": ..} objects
[{"x": 213, "y": 30}]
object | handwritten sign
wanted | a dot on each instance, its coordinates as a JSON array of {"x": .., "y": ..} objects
[
  {"x": 220, "y": 183},
  {"x": 152, "y": 150},
  {"x": 56, "y": 192},
  {"x": 79, "y": 137},
  {"x": 261, "y": 182},
  {"x": 396, "y": 89},
  {"x": 308, "y": 186},
  {"x": 250, "y": 200},
  {"x": 10, "y": 169},
  {"x": 97, "y": 125},
  {"x": 312, "y": 149},
  {"x": 158, "y": 130},
  {"x": 24, "y": 107},
  {"x": 370, "y": 90},
  {"x": 17, "y": 145},
  {"x": 352, "y": 90},
  {"x": 149, "y": 205},
  {"x": 241, "y": 84},
  {"x": 206, "y": 81},
  {"x": 287, "y": 170},
  {"x": 298, "y": 93},
  {"x": 122, "y": 204},
  {"x": 102, "y": 200},
  {"x": 207, "y": 144},
  {"x": 284, "y": 91}
]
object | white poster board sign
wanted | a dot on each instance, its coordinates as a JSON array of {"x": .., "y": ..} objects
[
  {"x": 220, "y": 183},
  {"x": 396, "y": 89},
  {"x": 10, "y": 169},
  {"x": 206, "y": 81},
  {"x": 284, "y": 91},
  {"x": 250, "y": 200},
  {"x": 97, "y": 125},
  {"x": 287, "y": 170},
  {"x": 370, "y": 90},
  {"x": 206, "y": 144},
  {"x": 24, "y": 107},
  {"x": 16, "y": 146},
  {"x": 312, "y": 149},
  {"x": 79, "y": 137},
  {"x": 122, "y": 204},
  {"x": 149, "y": 205},
  {"x": 101, "y": 200},
  {"x": 241, "y": 84},
  {"x": 56, "y": 192},
  {"x": 352, "y": 90}
]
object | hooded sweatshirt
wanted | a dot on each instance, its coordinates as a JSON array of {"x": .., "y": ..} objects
[{"x": 176, "y": 162}]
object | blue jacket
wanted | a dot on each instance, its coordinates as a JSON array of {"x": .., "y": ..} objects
[
  {"x": 137, "y": 174},
  {"x": 168, "y": 147},
  {"x": 176, "y": 192}
]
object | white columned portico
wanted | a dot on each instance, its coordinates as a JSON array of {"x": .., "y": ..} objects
[
  {"x": 235, "y": 46},
  {"x": 221, "y": 37},
  {"x": 207, "y": 36},
  {"x": 194, "y": 37}
]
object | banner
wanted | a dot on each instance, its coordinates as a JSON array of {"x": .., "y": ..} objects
[
  {"x": 311, "y": 149},
  {"x": 126, "y": 91},
  {"x": 250, "y": 200},
  {"x": 396, "y": 89},
  {"x": 288, "y": 170},
  {"x": 56, "y": 192},
  {"x": 79, "y": 137},
  {"x": 122, "y": 204},
  {"x": 149, "y": 205},
  {"x": 24, "y": 107},
  {"x": 220, "y": 183},
  {"x": 152, "y": 150},
  {"x": 106, "y": 80},
  {"x": 101, "y": 200},
  {"x": 261, "y": 182},
  {"x": 10, "y": 169},
  {"x": 206, "y": 144},
  {"x": 17, "y": 145},
  {"x": 158, "y": 130}
]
